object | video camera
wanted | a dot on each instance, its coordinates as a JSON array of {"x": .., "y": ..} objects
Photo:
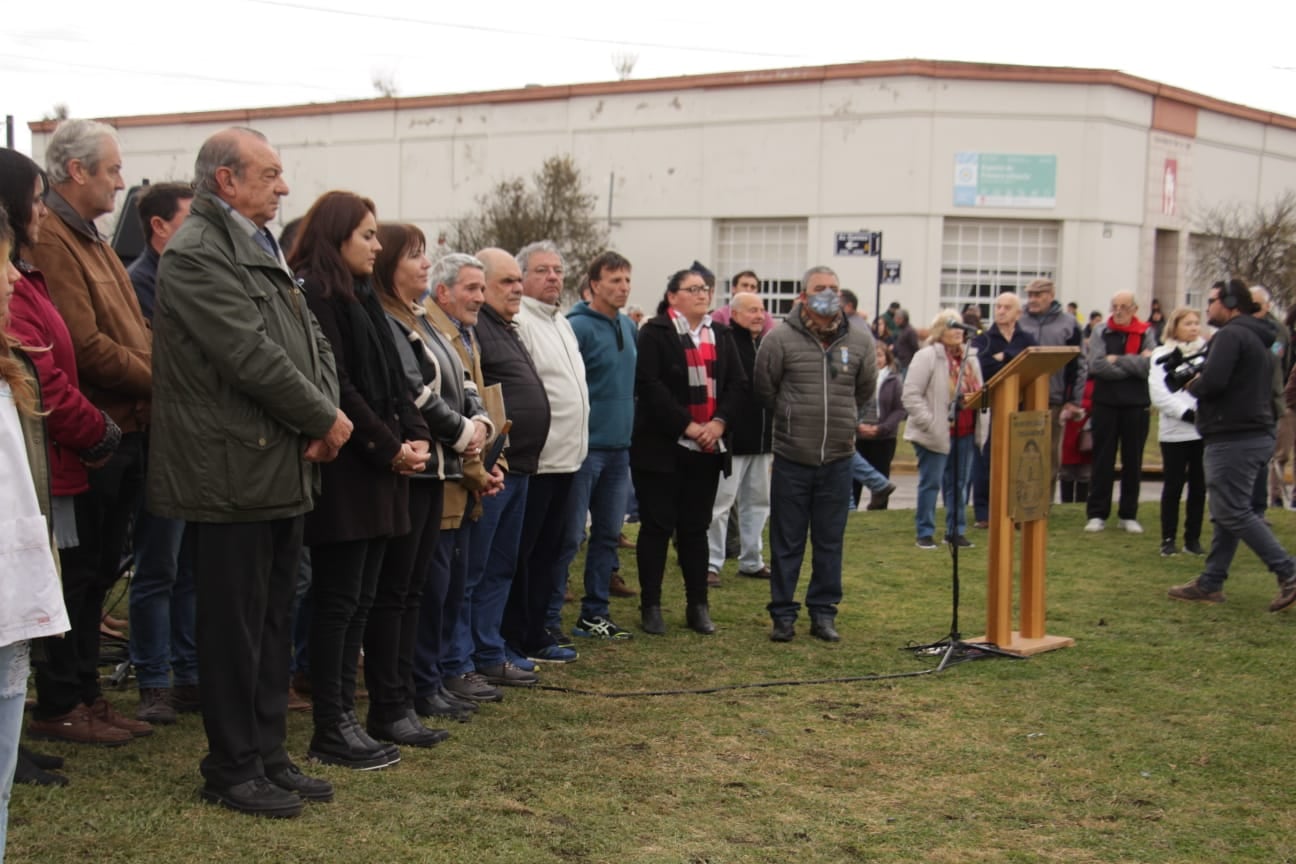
[{"x": 1179, "y": 370}]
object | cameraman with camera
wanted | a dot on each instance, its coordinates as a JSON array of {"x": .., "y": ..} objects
[{"x": 1235, "y": 419}]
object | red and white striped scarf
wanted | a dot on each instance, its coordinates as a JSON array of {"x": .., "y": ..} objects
[{"x": 700, "y": 360}]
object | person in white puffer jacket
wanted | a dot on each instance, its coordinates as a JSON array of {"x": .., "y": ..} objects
[{"x": 1181, "y": 444}]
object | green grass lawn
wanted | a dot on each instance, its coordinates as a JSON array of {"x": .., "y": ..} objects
[{"x": 1162, "y": 736}]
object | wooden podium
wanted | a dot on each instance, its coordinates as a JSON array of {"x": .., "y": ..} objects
[{"x": 1027, "y": 375}]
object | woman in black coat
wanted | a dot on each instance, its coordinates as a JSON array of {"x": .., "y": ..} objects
[
  {"x": 364, "y": 501},
  {"x": 686, "y": 383}
]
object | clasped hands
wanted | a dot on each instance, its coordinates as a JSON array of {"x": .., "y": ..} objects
[{"x": 705, "y": 434}]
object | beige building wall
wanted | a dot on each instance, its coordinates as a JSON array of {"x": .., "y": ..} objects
[{"x": 842, "y": 151}]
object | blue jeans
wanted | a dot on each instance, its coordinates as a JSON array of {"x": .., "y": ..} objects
[
  {"x": 492, "y": 560},
  {"x": 13, "y": 694},
  {"x": 936, "y": 472},
  {"x": 301, "y": 615},
  {"x": 931, "y": 471},
  {"x": 599, "y": 489},
  {"x": 442, "y": 596},
  {"x": 1231, "y": 468},
  {"x": 954, "y": 490},
  {"x": 163, "y": 647},
  {"x": 807, "y": 497}
]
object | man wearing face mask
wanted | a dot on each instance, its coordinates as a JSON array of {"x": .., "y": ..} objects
[{"x": 814, "y": 371}]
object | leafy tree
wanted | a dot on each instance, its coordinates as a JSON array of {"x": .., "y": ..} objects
[
  {"x": 552, "y": 206},
  {"x": 1258, "y": 246}
]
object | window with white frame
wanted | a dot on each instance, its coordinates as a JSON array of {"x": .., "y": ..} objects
[
  {"x": 1203, "y": 270},
  {"x": 982, "y": 258},
  {"x": 774, "y": 248}
]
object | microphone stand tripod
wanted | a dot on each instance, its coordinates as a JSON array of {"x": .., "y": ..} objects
[{"x": 953, "y": 649}]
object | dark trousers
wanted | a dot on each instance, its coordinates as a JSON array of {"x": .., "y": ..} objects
[
  {"x": 343, "y": 583},
  {"x": 1182, "y": 461},
  {"x": 1126, "y": 428},
  {"x": 244, "y": 573},
  {"x": 442, "y": 599},
  {"x": 676, "y": 502},
  {"x": 68, "y": 673},
  {"x": 807, "y": 498},
  {"x": 878, "y": 452},
  {"x": 543, "y": 527},
  {"x": 393, "y": 621}
]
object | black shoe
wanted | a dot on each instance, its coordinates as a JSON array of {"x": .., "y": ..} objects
[
  {"x": 185, "y": 698},
  {"x": 27, "y": 771},
  {"x": 650, "y": 620},
  {"x": 784, "y": 630},
  {"x": 407, "y": 732},
  {"x": 308, "y": 788},
  {"x": 1168, "y": 548},
  {"x": 699, "y": 619},
  {"x": 960, "y": 541},
  {"x": 458, "y": 701},
  {"x": 1194, "y": 547},
  {"x": 256, "y": 797},
  {"x": 390, "y": 749},
  {"x": 344, "y": 743},
  {"x": 822, "y": 627},
  {"x": 437, "y": 705},
  {"x": 44, "y": 761}
]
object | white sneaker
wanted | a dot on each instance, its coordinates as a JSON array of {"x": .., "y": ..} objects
[
  {"x": 1095, "y": 525},
  {"x": 1131, "y": 526}
]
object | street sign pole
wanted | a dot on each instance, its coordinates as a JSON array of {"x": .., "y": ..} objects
[{"x": 877, "y": 294}]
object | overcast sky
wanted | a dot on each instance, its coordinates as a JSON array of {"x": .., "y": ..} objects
[{"x": 148, "y": 56}]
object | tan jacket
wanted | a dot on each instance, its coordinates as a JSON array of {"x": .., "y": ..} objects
[
  {"x": 92, "y": 292},
  {"x": 456, "y": 491}
]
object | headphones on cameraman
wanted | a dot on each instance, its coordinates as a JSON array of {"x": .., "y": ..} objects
[{"x": 1228, "y": 299}]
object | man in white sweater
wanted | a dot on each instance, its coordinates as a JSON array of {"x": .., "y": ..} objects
[{"x": 532, "y": 620}]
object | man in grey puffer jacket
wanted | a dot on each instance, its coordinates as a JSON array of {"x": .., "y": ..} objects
[{"x": 814, "y": 371}]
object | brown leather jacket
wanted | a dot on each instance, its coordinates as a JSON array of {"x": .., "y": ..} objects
[{"x": 93, "y": 293}]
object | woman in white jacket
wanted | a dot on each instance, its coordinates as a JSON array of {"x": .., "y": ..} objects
[
  {"x": 31, "y": 599},
  {"x": 928, "y": 387},
  {"x": 1181, "y": 445}
]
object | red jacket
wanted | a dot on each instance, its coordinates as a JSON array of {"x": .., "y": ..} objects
[{"x": 74, "y": 424}]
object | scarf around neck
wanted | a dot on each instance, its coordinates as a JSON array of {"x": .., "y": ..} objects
[
  {"x": 1133, "y": 332},
  {"x": 699, "y": 358}
]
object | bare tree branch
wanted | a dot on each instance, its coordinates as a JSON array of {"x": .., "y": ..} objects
[{"x": 553, "y": 206}]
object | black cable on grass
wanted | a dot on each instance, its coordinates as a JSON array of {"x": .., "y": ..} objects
[{"x": 753, "y": 685}]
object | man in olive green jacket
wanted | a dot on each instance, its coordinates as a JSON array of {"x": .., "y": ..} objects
[{"x": 245, "y": 401}]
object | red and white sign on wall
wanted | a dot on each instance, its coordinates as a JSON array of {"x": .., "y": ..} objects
[{"x": 1169, "y": 185}]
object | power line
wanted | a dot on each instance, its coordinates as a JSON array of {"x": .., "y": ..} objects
[
  {"x": 482, "y": 28},
  {"x": 170, "y": 73}
]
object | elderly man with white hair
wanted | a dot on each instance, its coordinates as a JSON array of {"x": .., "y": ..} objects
[
  {"x": 996, "y": 347},
  {"x": 113, "y": 346},
  {"x": 750, "y": 442}
]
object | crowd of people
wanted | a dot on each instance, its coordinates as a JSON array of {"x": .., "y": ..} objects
[{"x": 327, "y": 452}]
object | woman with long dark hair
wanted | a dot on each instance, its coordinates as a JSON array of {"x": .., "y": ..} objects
[
  {"x": 686, "y": 382},
  {"x": 364, "y": 501},
  {"x": 33, "y": 604},
  {"x": 458, "y": 425},
  {"x": 69, "y": 703}
]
